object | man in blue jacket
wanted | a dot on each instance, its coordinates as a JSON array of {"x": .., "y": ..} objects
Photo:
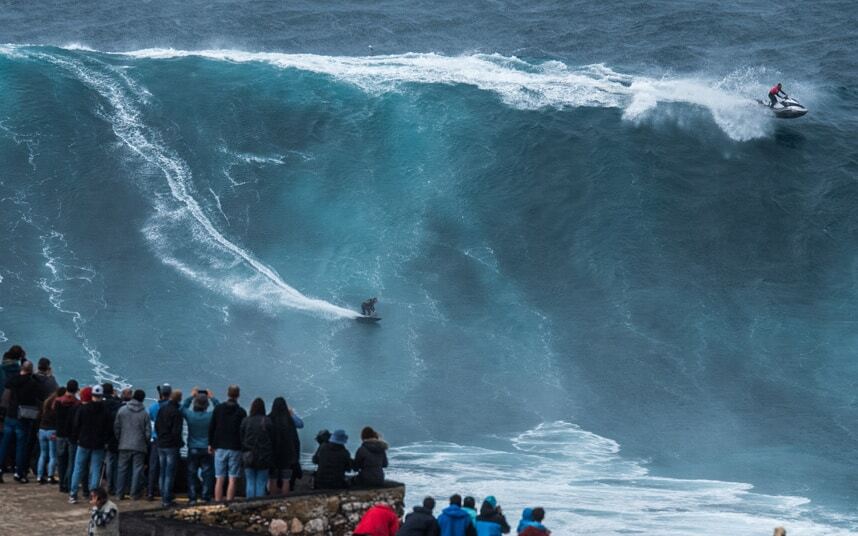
[
  {"x": 454, "y": 521},
  {"x": 199, "y": 458},
  {"x": 164, "y": 392}
]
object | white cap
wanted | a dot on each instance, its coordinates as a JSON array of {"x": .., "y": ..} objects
[{"x": 97, "y": 390}]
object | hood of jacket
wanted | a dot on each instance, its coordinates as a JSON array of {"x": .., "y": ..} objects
[
  {"x": 135, "y": 406},
  {"x": 455, "y": 512},
  {"x": 376, "y": 446}
]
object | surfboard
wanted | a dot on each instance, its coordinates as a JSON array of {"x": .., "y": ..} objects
[{"x": 368, "y": 319}]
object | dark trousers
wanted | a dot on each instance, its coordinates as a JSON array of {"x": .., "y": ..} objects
[
  {"x": 154, "y": 473},
  {"x": 65, "y": 462},
  {"x": 111, "y": 462},
  {"x": 200, "y": 461},
  {"x": 130, "y": 461},
  {"x": 774, "y": 99}
]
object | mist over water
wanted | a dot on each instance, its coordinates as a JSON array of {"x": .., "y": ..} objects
[{"x": 611, "y": 283}]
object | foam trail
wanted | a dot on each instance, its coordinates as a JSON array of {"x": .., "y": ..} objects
[
  {"x": 587, "y": 487},
  {"x": 128, "y": 127},
  {"x": 518, "y": 83}
]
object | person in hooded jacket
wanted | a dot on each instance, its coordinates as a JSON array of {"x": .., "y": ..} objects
[
  {"x": 534, "y": 527},
  {"x": 257, "y": 449},
  {"x": 420, "y": 522},
  {"x": 22, "y": 411},
  {"x": 286, "y": 447},
  {"x": 379, "y": 520},
  {"x": 334, "y": 462},
  {"x": 10, "y": 366},
  {"x": 370, "y": 459},
  {"x": 491, "y": 521},
  {"x": 65, "y": 407},
  {"x": 199, "y": 459},
  {"x": 169, "y": 428},
  {"x": 525, "y": 521},
  {"x": 93, "y": 425},
  {"x": 225, "y": 443},
  {"x": 133, "y": 432},
  {"x": 455, "y": 521}
]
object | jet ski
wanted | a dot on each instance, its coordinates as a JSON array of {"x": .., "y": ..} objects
[{"x": 787, "y": 108}]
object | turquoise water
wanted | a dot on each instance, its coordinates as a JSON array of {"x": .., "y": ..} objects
[{"x": 610, "y": 282}]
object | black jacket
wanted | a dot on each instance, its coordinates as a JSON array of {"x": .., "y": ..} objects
[
  {"x": 113, "y": 405},
  {"x": 168, "y": 426},
  {"x": 47, "y": 385},
  {"x": 286, "y": 444},
  {"x": 370, "y": 461},
  {"x": 24, "y": 391},
  {"x": 225, "y": 427},
  {"x": 92, "y": 425},
  {"x": 257, "y": 443},
  {"x": 420, "y": 522},
  {"x": 333, "y": 460},
  {"x": 66, "y": 407}
]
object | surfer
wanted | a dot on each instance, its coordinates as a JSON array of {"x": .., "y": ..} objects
[
  {"x": 367, "y": 308},
  {"x": 774, "y": 93}
]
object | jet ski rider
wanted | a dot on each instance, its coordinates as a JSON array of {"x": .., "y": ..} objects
[
  {"x": 774, "y": 93},
  {"x": 368, "y": 307}
]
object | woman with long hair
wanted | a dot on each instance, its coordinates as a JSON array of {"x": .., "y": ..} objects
[
  {"x": 286, "y": 447},
  {"x": 47, "y": 463},
  {"x": 256, "y": 444}
]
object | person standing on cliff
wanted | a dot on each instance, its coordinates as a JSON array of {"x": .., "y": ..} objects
[
  {"x": 133, "y": 431},
  {"x": 535, "y": 527},
  {"x": 199, "y": 459},
  {"x": 491, "y": 521},
  {"x": 286, "y": 445},
  {"x": 169, "y": 428},
  {"x": 22, "y": 405},
  {"x": 225, "y": 443},
  {"x": 154, "y": 464},
  {"x": 379, "y": 520},
  {"x": 455, "y": 521},
  {"x": 421, "y": 522},
  {"x": 93, "y": 424}
]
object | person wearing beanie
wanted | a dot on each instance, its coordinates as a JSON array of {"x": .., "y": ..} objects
[
  {"x": 455, "y": 521},
  {"x": 379, "y": 520},
  {"x": 169, "y": 429},
  {"x": 94, "y": 425},
  {"x": 195, "y": 410},
  {"x": 334, "y": 460},
  {"x": 66, "y": 406},
  {"x": 370, "y": 459},
  {"x": 421, "y": 522},
  {"x": 133, "y": 432},
  {"x": 21, "y": 416},
  {"x": 491, "y": 521}
]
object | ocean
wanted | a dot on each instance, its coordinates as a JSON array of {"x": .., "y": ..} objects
[{"x": 612, "y": 284}]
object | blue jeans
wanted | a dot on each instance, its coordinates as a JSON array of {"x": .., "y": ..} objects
[
  {"x": 199, "y": 460},
  {"x": 168, "y": 459},
  {"x": 135, "y": 460},
  {"x": 66, "y": 451},
  {"x": 19, "y": 429},
  {"x": 94, "y": 458},
  {"x": 47, "y": 454},
  {"x": 255, "y": 482}
]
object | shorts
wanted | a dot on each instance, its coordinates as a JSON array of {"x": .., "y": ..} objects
[
  {"x": 283, "y": 474},
  {"x": 227, "y": 463}
]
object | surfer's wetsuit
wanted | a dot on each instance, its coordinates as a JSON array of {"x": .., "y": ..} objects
[
  {"x": 774, "y": 93},
  {"x": 368, "y": 307}
]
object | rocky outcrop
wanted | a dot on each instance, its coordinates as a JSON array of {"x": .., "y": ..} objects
[{"x": 333, "y": 513}]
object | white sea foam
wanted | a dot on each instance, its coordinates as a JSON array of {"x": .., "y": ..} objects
[
  {"x": 263, "y": 284},
  {"x": 588, "y": 487},
  {"x": 520, "y": 84}
]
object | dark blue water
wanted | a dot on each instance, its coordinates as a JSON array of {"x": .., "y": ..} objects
[{"x": 571, "y": 213}]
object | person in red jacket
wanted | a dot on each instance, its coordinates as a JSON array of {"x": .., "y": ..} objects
[
  {"x": 380, "y": 520},
  {"x": 774, "y": 93}
]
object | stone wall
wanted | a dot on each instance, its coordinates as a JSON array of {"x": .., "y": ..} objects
[{"x": 305, "y": 514}]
